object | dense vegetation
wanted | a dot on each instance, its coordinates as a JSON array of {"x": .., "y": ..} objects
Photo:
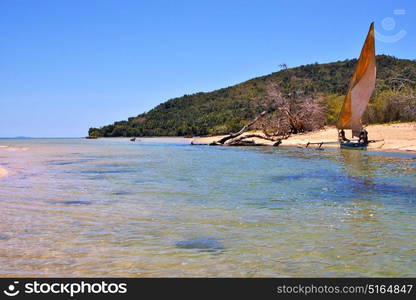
[{"x": 228, "y": 109}]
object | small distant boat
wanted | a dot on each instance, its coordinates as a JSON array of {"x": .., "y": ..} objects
[
  {"x": 359, "y": 92},
  {"x": 133, "y": 140}
]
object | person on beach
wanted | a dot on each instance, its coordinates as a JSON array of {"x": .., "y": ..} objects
[
  {"x": 363, "y": 137},
  {"x": 342, "y": 137}
]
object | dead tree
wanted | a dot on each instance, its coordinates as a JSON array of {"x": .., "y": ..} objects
[
  {"x": 245, "y": 140},
  {"x": 283, "y": 66},
  {"x": 282, "y": 116},
  {"x": 244, "y": 129}
]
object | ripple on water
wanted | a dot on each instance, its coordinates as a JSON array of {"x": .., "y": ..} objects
[
  {"x": 61, "y": 162},
  {"x": 117, "y": 171}
]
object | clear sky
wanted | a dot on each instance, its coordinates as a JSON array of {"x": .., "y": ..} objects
[{"x": 67, "y": 65}]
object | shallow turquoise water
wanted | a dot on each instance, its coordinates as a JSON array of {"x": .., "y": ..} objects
[{"x": 160, "y": 207}]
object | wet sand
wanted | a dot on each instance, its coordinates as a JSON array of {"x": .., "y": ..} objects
[{"x": 389, "y": 137}]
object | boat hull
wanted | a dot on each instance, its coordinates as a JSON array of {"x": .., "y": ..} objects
[{"x": 354, "y": 146}]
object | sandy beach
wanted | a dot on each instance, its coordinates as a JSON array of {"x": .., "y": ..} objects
[{"x": 389, "y": 137}]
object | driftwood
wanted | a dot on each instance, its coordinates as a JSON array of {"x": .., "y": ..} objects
[
  {"x": 238, "y": 139},
  {"x": 282, "y": 116},
  {"x": 242, "y": 140},
  {"x": 319, "y": 144},
  {"x": 244, "y": 129}
]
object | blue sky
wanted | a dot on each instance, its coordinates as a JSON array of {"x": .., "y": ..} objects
[{"x": 69, "y": 65}]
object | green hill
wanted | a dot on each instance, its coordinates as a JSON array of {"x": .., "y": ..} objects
[{"x": 228, "y": 109}]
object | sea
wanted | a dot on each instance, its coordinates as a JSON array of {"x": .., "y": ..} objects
[{"x": 160, "y": 207}]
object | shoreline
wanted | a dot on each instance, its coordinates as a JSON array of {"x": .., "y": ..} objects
[{"x": 397, "y": 137}]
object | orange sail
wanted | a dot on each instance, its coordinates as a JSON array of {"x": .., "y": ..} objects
[{"x": 361, "y": 87}]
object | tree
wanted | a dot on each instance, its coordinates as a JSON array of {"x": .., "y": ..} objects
[
  {"x": 281, "y": 116},
  {"x": 283, "y": 66}
]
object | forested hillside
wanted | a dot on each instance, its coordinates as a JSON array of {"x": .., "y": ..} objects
[{"x": 228, "y": 109}]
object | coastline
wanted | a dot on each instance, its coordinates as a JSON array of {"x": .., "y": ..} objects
[{"x": 398, "y": 137}]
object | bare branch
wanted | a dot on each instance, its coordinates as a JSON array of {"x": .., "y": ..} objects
[{"x": 244, "y": 129}]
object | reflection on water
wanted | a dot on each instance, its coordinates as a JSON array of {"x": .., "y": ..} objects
[{"x": 162, "y": 208}]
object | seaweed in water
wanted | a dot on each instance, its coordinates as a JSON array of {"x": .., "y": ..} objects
[
  {"x": 121, "y": 193},
  {"x": 4, "y": 236},
  {"x": 201, "y": 244},
  {"x": 73, "y": 202}
]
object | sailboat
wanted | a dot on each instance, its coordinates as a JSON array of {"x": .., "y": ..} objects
[{"x": 359, "y": 92}]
